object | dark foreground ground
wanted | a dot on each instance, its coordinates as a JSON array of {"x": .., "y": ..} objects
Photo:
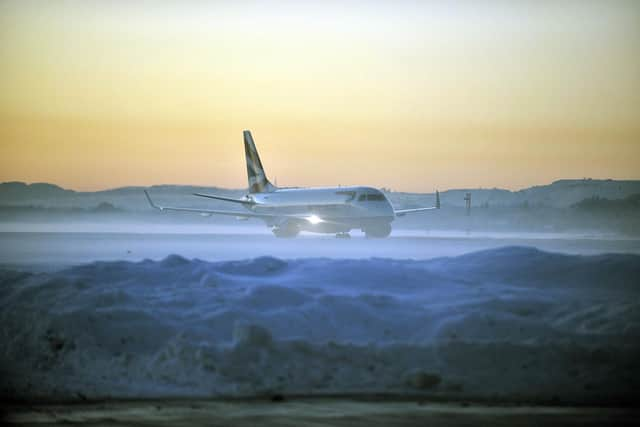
[
  {"x": 312, "y": 412},
  {"x": 546, "y": 325}
]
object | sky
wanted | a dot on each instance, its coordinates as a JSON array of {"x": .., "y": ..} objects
[{"x": 406, "y": 95}]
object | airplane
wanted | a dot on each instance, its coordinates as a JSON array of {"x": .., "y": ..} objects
[{"x": 288, "y": 211}]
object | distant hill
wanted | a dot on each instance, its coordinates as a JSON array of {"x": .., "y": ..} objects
[
  {"x": 595, "y": 203},
  {"x": 12, "y": 192},
  {"x": 124, "y": 198},
  {"x": 559, "y": 194},
  {"x": 593, "y": 206},
  {"x": 567, "y": 192}
]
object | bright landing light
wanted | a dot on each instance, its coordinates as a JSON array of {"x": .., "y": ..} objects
[{"x": 314, "y": 219}]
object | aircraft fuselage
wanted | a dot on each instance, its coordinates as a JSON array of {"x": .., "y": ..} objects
[{"x": 329, "y": 209}]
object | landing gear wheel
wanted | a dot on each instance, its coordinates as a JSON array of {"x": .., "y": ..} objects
[
  {"x": 285, "y": 232},
  {"x": 343, "y": 236},
  {"x": 378, "y": 231}
]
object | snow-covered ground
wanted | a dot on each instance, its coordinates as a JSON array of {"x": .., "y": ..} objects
[{"x": 506, "y": 323}]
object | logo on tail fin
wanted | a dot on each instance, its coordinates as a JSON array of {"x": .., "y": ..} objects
[{"x": 258, "y": 181}]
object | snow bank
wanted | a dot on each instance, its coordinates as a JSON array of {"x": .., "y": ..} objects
[{"x": 510, "y": 323}]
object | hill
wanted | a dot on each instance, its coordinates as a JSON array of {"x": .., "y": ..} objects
[{"x": 559, "y": 194}]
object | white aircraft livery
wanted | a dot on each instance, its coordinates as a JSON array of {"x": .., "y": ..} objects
[{"x": 335, "y": 210}]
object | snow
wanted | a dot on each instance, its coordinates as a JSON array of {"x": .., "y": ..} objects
[{"x": 512, "y": 323}]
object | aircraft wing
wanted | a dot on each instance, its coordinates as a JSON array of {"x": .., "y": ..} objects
[
  {"x": 249, "y": 202},
  {"x": 403, "y": 212},
  {"x": 237, "y": 214},
  {"x": 226, "y": 199}
]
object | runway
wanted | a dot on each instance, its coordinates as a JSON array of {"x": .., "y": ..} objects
[
  {"x": 47, "y": 247},
  {"x": 314, "y": 412}
]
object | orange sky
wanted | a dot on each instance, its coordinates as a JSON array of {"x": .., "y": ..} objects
[{"x": 408, "y": 95}]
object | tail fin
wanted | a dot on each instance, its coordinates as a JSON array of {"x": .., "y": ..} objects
[{"x": 258, "y": 182}]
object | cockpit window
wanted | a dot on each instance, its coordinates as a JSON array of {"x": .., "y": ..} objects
[{"x": 350, "y": 194}]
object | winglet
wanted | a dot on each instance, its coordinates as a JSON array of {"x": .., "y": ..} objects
[
  {"x": 153, "y": 205},
  {"x": 437, "y": 199}
]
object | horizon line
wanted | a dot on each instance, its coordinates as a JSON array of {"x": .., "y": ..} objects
[{"x": 584, "y": 179}]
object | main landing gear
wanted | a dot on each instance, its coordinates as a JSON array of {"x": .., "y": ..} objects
[
  {"x": 286, "y": 231},
  {"x": 377, "y": 231},
  {"x": 343, "y": 235}
]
